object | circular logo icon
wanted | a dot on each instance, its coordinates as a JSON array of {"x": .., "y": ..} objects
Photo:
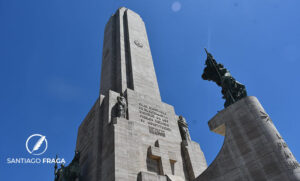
[{"x": 36, "y": 144}]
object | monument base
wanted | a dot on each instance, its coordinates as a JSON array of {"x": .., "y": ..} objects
[
  {"x": 253, "y": 149},
  {"x": 144, "y": 145}
]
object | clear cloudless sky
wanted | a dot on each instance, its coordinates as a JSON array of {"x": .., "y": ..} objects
[{"x": 50, "y": 53}]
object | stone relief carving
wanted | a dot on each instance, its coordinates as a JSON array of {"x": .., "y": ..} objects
[
  {"x": 138, "y": 43},
  {"x": 265, "y": 116},
  {"x": 183, "y": 128}
]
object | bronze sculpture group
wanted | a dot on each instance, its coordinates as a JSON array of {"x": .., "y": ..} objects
[
  {"x": 232, "y": 90},
  {"x": 69, "y": 173}
]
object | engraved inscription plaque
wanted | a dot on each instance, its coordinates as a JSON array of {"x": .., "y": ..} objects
[{"x": 156, "y": 119}]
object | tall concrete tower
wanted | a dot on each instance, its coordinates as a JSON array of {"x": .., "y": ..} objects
[
  {"x": 130, "y": 134},
  {"x": 127, "y": 60}
]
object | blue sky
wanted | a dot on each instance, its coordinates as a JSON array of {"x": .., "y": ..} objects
[{"x": 50, "y": 54}]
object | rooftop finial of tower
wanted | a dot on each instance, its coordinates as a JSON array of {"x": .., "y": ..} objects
[{"x": 122, "y": 8}]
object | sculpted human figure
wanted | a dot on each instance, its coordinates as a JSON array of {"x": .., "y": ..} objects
[
  {"x": 121, "y": 106},
  {"x": 69, "y": 173},
  {"x": 59, "y": 174},
  {"x": 183, "y": 128},
  {"x": 232, "y": 90}
]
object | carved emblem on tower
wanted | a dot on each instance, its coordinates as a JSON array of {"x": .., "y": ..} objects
[{"x": 138, "y": 43}]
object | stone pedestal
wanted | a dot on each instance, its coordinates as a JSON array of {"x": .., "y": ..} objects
[{"x": 253, "y": 149}]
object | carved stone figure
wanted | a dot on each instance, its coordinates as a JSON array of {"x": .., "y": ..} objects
[
  {"x": 69, "y": 173},
  {"x": 232, "y": 90},
  {"x": 183, "y": 128},
  {"x": 121, "y": 106}
]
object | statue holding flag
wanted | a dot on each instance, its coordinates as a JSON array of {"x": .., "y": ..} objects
[{"x": 232, "y": 90}]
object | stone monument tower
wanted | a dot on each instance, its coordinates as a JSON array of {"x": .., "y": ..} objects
[{"x": 130, "y": 134}]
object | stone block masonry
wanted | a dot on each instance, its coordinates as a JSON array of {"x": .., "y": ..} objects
[
  {"x": 253, "y": 149},
  {"x": 130, "y": 134}
]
